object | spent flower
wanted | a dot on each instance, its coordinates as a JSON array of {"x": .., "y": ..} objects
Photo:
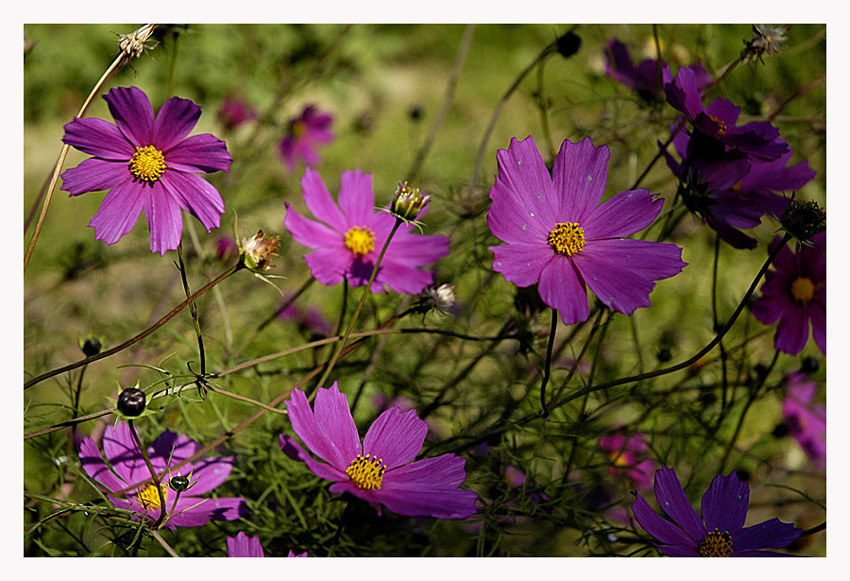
[
  {"x": 258, "y": 251},
  {"x": 767, "y": 41}
]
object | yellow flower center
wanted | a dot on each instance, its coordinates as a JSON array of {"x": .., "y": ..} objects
[
  {"x": 367, "y": 473},
  {"x": 716, "y": 544},
  {"x": 619, "y": 459},
  {"x": 360, "y": 240},
  {"x": 566, "y": 238},
  {"x": 149, "y": 495},
  {"x": 803, "y": 290},
  {"x": 148, "y": 163},
  {"x": 298, "y": 128}
]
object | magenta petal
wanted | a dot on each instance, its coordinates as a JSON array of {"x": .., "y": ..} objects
[
  {"x": 622, "y": 215},
  {"x": 428, "y": 487},
  {"x": 320, "y": 203},
  {"x": 194, "y": 512},
  {"x": 195, "y": 195},
  {"x": 512, "y": 220},
  {"x": 396, "y": 437},
  {"x": 562, "y": 289},
  {"x": 792, "y": 332},
  {"x": 291, "y": 448},
  {"x": 202, "y": 153},
  {"x": 817, "y": 313},
  {"x": 356, "y": 197},
  {"x": 310, "y": 233},
  {"x": 99, "y": 138},
  {"x": 771, "y": 534},
  {"x": 174, "y": 121},
  {"x": 119, "y": 211},
  {"x": 96, "y": 468},
  {"x": 95, "y": 174},
  {"x": 580, "y": 174},
  {"x": 208, "y": 474},
  {"x": 336, "y": 444},
  {"x": 523, "y": 264},
  {"x": 671, "y": 497},
  {"x": 416, "y": 250},
  {"x": 660, "y": 528},
  {"x": 133, "y": 114},
  {"x": 521, "y": 170},
  {"x": 724, "y": 504},
  {"x": 329, "y": 265},
  {"x": 165, "y": 220},
  {"x": 244, "y": 546}
]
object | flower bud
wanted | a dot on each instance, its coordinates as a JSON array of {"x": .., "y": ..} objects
[
  {"x": 803, "y": 219},
  {"x": 91, "y": 346},
  {"x": 132, "y": 402},
  {"x": 258, "y": 251},
  {"x": 179, "y": 483},
  {"x": 568, "y": 44},
  {"x": 408, "y": 202}
]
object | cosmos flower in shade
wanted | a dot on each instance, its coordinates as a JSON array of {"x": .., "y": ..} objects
[
  {"x": 304, "y": 133},
  {"x": 718, "y": 121},
  {"x": 235, "y": 112},
  {"x": 148, "y": 163},
  {"x": 628, "y": 455},
  {"x": 730, "y": 190},
  {"x": 558, "y": 234},
  {"x": 128, "y": 470},
  {"x": 645, "y": 77},
  {"x": 381, "y": 470},
  {"x": 348, "y": 238},
  {"x": 805, "y": 419},
  {"x": 720, "y": 532},
  {"x": 794, "y": 293},
  {"x": 307, "y": 318},
  {"x": 244, "y": 546}
]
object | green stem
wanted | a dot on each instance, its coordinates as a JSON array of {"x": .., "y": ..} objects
[
  {"x": 154, "y": 476},
  {"x": 193, "y": 309},
  {"x": 548, "y": 365}
]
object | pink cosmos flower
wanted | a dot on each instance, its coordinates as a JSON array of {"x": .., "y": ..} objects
[
  {"x": 628, "y": 455},
  {"x": 244, "y": 546},
  {"x": 794, "y": 293},
  {"x": 805, "y": 419},
  {"x": 234, "y": 112},
  {"x": 147, "y": 163},
  {"x": 348, "y": 238},
  {"x": 560, "y": 237},
  {"x": 127, "y": 469},
  {"x": 381, "y": 470},
  {"x": 303, "y": 134}
]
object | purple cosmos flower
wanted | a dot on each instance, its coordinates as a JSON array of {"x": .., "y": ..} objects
[
  {"x": 349, "y": 237},
  {"x": 718, "y": 121},
  {"x": 244, "y": 546},
  {"x": 381, "y": 470},
  {"x": 806, "y": 420},
  {"x": 644, "y": 78},
  {"x": 794, "y": 293},
  {"x": 720, "y": 532},
  {"x": 308, "y": 318},
  {"x": 128, "y": 470},
  {"x": 235, "y": 112},
  {"x": 558, "y": 235},
  {"x": 303, "y": 134},
  {"x": 628, "y": 455},
  {"x": 148, "y": 163}
]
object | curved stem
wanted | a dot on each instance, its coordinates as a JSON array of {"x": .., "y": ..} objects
[{"x": 193, "y": 309}]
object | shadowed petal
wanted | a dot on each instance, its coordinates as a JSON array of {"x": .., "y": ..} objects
[
  {"x": 792, "y": 332},
  {"x": 119, "y": 211},
  {"x": 400, "y": 278},
  {"x": 671, "y": 497},
  {"x": 771, "y": 534},
  {"x": 622, "y": 215},
  {"x": 133, "y": 114},
  {"x": 660, "y": 528},
  {"x": 94, "y": 175},
  {"x": 99, "y": 138},
  {"x": 291, "y": 448},
  {"x": 561, "y": 288},
  {"x": 174, "y": 121},
  {"x": 203, "y": 153},
  {"x": 724, "y": 504},
  {"x": 395, "y": 437},
  {"x": 194, "y": 512},
  {"x": 208, "y": 474}
]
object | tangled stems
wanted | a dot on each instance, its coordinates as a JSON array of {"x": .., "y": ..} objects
[
  {"x": 137, "y": 338},
  {"x": 154, "y": 476}
]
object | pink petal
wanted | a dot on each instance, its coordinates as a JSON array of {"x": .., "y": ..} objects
[
  {"x": 396, "y": 437},
  {"x": 580, "y": 174},
  {"x": 512, "y": 219},
  {"x": 356, "y": 197},
  {"x": 195, "y": 195},
  {"x": 330, "y": 265},
  {"x": 99, "y": 138},
  {"x": 119, "y": 211},
  {"x": 622, "y": 215},
  {"x": 133, "y": 114},
  {"x": 174, "y": 122},
  {"x": 310, "y": 233},
  {"x": 320, "y": 203},
  {"x": 202, "y": 153},
  {"x": 562, "y": 289},
  {"x": 165, "y": 219},
  {"x": 523, "y": 264},
  {"x": 94, "y": 175},
  {"x": 522, "y": 171}
]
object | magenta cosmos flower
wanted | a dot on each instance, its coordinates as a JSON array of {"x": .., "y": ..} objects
[
  {"x": 349, "y": 237},
  {"x": 128, "y": 470},
  {"x": 147, "y": 163},
  {"x": 304, "y": 133},
  {"x": 244, "y": 546},
  {"x": 558, "y": 234},
  {"x": 720, "y": 532},
  {"x": 381, "y": 470},
  {"x": 794, "y": 293},
  {"x": 805, "y": 419},
  {"x": 628, "y": 455}
]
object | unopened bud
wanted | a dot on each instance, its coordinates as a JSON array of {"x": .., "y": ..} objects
[
  {"x": 91, "y": 346},
  {"x": 408, "y": 202},
  {"x": 132, "y": 402},
  {"x": 803, "y": 219},
  {"x": 179, "y": 483}
]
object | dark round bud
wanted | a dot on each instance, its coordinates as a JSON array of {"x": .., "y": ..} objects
[
  {"x": 569, "y": 44},
  {"x": 179, "y": 483},
  {"x": 91, "y": 346},
  {"x": 781, "y": 430},
  {"x": 803, "y": 219},
  {"x": 760, "y": 369},
  {"x": 132, "y": 402},
  {"x": 810, "y": 365},
  {"x": 664, "y": 355},
  {"x": 416, "y": 112}
]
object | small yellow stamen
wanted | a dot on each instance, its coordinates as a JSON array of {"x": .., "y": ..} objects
[
  {"x": 149, "y": 496},
  {"x": 716, "y": 544},
  {"x": 566, "y": 238},
  {"x": 803, "y": 290},
  {"x": 360, "y": 240},
  {"x": 298, "y": 129},
  {"x": 366, "y": 473},
  {"x": 722, "y": 129},
  {"x": 148, "y": 164}
]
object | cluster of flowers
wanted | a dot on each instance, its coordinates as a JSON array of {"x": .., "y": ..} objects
[{"x": 557, "y": 234}]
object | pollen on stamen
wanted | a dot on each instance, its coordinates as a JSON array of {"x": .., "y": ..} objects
[
  {"x": 716, "y": 544},
  {"x": 148, "y": 164},
  {"x": 366, "y": 472},
  {"x": 803, "y": 290},
  {"x": 566, "y": 238},
  {"x": 149, "y": 496},
  {"x": 360, "y": 240}
]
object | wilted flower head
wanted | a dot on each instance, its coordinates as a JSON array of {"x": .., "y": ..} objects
[
  {"x": 437, "y": 297},
  {"x": 258, "y": 251},
  {"x": 407, "y": 202},
  {"x": 381, "y": 470},
  {"x": 803, "y": 219},
  {"x": 303, "y": 136},
  {"x": 147, "y": 162},
  {"x": 768, "y": 41},
  {"x": 720, "y": 532},
  {"x": 127, "y": 470}
]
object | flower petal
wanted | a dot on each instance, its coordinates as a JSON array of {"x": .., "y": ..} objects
[
  {"x": 428, "y": 487},
  {"x": 660, "y": 528},
  {"x": 208, "y": 474},
  {"x": 580, "y": 173},
  {"x": 310, "y": 233},
  {"x": 512, "y": 218},
  {"x": 123, "y": 454},
  {"x": 133, "y": 114},
  {"x": 174, "y": 121},
  {"x": 622, "y": 215},
  {"x": 329, "y": 432},
  {"x": 522, "y": 171},
  {"x": 194, "y": 512},
  {"x": 203, "y": 153},
  {"x": 356, "y": 197},
  {"x": 523, "y": 264},
  {"x": 725, "y": 503},
  {"x": 396, "y": 437},
  {"x": 119, "y": 211},
  {"x": 771, "y": 534},
  {"x": 96, "y": 468},
  {"x": 195, "y": 195},
  {"x": 94, "y": 175},
  {"x": 99, "y": 138},
  {"x": 244, "y": 546},
  {"x": 320, "y": 203},
  {"x": 291, "y": 448},
  {"x": 330, "y": 265},
  {"x": 792, "y": 332},
  {"x": 671, "y": 497},
  {"x": 165, "y": 219},
  {"x": 561, "y": 288}
]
